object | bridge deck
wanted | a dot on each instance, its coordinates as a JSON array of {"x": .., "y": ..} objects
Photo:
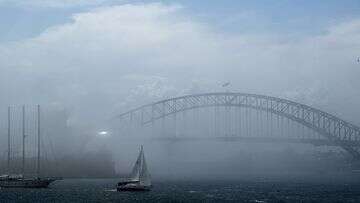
[{"x": 316, "y": 142}]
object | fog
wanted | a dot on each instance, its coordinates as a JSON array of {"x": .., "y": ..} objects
[{"x": 106, "y": 60}]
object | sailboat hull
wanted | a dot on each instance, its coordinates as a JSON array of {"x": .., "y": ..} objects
[
  {"x": 133, "y": 187},
  {"x": 26, "y": 183}
]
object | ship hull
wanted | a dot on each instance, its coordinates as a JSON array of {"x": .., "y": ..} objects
[
  {"x": 133, "y": 188},
  {"x": 26, "y": 183}
]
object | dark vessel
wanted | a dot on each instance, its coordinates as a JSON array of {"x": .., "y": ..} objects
[
  {"x": 18, "y": 180},
  {"x": 140, "y": 179}
]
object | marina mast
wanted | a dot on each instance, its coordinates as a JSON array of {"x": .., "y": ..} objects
[
  {"x": 23, "y": 139},
  {"x": 38, "y": 141},
  {"x": 9, "y": 143}
]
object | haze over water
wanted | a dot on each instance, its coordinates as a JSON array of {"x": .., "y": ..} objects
[{"x": 87, "y": 62}]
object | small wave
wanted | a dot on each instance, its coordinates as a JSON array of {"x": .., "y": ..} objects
[
  {"x": 110, "y": 190},
  {"x": 258, "y": 201},
  {"x": 210, "y": 196}
]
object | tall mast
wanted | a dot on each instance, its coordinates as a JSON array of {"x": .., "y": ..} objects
[
  {"x": 38, "y": 139},
  {"x": 9, "y": 146},
  {"x": 23, "y": 139}
]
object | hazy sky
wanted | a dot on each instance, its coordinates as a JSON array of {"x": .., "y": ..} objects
[
  {"x": 101, "y": 57},
  {"x": 22, "y": 19}
]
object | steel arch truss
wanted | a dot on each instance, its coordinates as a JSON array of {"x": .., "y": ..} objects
[{"x": 336, "y": 130}]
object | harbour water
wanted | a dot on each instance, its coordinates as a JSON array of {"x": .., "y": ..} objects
[{"x": 103, "y": 190}]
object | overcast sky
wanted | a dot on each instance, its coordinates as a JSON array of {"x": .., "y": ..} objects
[{"x": 101, "y": 57}]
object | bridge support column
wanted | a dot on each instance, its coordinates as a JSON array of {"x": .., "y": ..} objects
[
  {"x": 239, "y": 133},
  {"x": 184, "y": 117},
  {"x": 174, "y": 125},
  {"x": 163, "y": 132}
]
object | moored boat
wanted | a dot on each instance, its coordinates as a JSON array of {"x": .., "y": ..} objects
[
  {"x": 19, "y": 180},
  {"x": 15, "y": 181}
]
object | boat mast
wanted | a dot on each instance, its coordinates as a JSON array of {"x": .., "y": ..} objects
[
  {"x": 23, "y": 139},
  {"x": 9, "y": 144},
  {"x": 38, "y": 140}
]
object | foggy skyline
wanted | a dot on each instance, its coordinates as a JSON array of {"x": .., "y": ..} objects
[
  {"x": 188, "y": 100},
  {"x": 85, "y": 62}
]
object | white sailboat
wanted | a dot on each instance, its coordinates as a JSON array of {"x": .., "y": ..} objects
[{"x": 140, "y": 179}]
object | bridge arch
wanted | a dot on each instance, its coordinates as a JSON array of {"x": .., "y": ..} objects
[{"x": 336, "y": 130}]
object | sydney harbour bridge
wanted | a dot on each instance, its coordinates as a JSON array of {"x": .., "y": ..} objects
[{"x": 226, "y": 116}]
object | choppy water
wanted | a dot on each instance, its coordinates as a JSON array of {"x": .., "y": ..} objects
[{"x": 102, "y": 190}]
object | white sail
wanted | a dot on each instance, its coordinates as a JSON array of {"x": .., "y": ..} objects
[
  {"x": 145, "y": 178},
  {"x": 135, "y": 174}
]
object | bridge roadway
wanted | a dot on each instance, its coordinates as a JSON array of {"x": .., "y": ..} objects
[{"x": 316, "y": 142}]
